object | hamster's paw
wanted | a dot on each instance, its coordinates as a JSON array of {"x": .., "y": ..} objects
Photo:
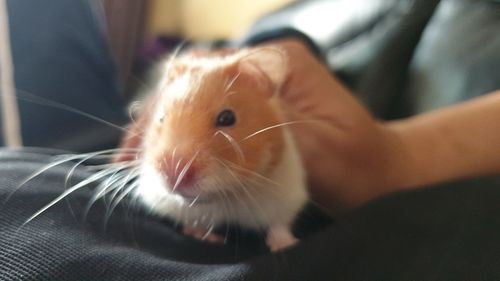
[
  {"x": 203, "y": 234},
  {"x": 280, "y": 237}
]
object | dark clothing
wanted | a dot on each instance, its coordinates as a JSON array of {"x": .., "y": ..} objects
[
  {"x": 445, "y": 233},
  {"x": 60, "y": 56},
  {"x": 396, "y": 55}
]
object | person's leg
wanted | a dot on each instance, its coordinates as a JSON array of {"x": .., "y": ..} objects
[
  {"x": 442, "y": 233},
  {"x": 60, "y": 54}
]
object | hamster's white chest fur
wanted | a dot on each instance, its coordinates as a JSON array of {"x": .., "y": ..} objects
[{"x": 278, "y": 200}]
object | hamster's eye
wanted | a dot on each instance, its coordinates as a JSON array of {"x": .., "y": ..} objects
[{"x": 225, "y": 118}]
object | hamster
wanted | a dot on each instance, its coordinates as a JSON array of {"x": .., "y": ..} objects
[{"x": 215, "y": 148}]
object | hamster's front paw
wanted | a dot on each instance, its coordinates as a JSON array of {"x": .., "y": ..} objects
[
  {"x": 280, "y": 237},
  {"x": 203, "y": 234}
]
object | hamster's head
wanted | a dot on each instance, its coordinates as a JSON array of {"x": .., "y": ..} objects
[{"x": 215, "y": 132}]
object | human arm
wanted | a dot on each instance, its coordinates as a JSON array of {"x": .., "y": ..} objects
[
  {"x": 450, "y": 143},
  {"x": 351, "y": 157}
]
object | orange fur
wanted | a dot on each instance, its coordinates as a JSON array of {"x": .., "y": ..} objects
[
  {"x": 189, "y": 122},
  {"x": 248, "y": 173}
]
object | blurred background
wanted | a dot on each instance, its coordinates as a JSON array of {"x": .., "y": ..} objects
[
  {"x": 141, "y": 31},
  {"x": 205, "y": 19},
  {"x": 399, "y": 57}
]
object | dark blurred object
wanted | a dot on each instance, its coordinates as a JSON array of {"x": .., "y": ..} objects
[
  {"x": 125, "y": 23},
  {"x": 62, "y": 65},
  {"x": 401, "y": 57}
]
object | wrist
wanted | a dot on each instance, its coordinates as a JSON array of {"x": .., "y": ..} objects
[
  {"x": 420, "y": 154},
  {"x": 361, "y": 172},
  {"x": 397, "y": 170}
]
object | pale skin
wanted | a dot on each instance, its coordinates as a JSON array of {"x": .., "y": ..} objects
[{"x": 351, "y": 157}]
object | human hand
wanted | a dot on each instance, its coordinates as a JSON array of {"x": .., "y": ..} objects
[
  {"x": 344, "y": 149},
  {"x": 347, "y": 153}
]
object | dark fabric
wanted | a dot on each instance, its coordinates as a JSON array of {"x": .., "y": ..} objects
[
  {"x": 443, "y": 233},
  {"x": 60, "y": 55}
]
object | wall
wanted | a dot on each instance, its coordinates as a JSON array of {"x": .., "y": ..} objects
[{"x": 207, "y": 19}]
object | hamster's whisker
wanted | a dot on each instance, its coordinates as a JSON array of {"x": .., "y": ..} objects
[
  {"x": 86, "y": 157},
  {"x": 169, "y": 65},
  {"x": 100, "y": 154},
  {"x": 227, "y": 209},
  {"x": 148, "y": 85},
  {"x": 72, "y": 170},
  {"x": 177, "y": 166},
  {"x": 116, "y": 185},
  {"x": 254, "y": 176},
  {"x": 184, "y": 170},
  {"x": 59, "y": 160},
  {"x": 32, "y": 98},
  {"x": 252, "y": 205},
  {"x": 174, "y": 152},
  {"x": 125, "y": 178},
  {"x": 128, "y": 163},
  {"x": 36, "y": 174},
  {"x": 194, "y": 200},
  {"x": 108, "y": 185},
  {"x": 209, "y": 231},
  {"x": 67, "y": 192},
  {"x": 246, "y": 193},
  {"x": 234, "y": 144},
  {"x": 101, "y": 190},
  {"x": 48, "y": 167},
  {"x": 133, "y": 108},
  {"x": 110, "y": 155},
  {"x": 105, "y": 187},
  {"x": 230, "y": 172},
  {"x": 95, "y": 156},
  {"x": 257, "y": 178},
  {"x": 230, "y": 84},
  {"x": 252, "y": 173},
  {"x": 66, "y": 158},
  {"x": 227, "y": 200},
  {"x": 277, "y": 126},
  {"x": 133, "y": 204},
  {"x": 226, "y": 205},
  {"x": 123, "y": 194}
]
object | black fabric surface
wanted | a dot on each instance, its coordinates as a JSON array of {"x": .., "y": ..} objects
[{"x": 443, "y": 233}]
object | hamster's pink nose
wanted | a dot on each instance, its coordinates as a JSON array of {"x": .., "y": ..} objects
[{"x": 180, "y": 175}]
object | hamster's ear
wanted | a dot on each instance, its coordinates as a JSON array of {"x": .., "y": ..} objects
[
  {"x": 271, "y": 62},
  {"x": 174, "y": 69}
]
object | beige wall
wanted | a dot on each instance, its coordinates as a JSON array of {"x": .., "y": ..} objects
[
  {"x": 207, "y": 19},
  {"x": 164, "y": 17}
]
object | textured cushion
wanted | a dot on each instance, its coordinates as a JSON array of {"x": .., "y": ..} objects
[{"x": 443, "y": 233}]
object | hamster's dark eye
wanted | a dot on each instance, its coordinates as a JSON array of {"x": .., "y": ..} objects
[{"x": 225, "y": 118}]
